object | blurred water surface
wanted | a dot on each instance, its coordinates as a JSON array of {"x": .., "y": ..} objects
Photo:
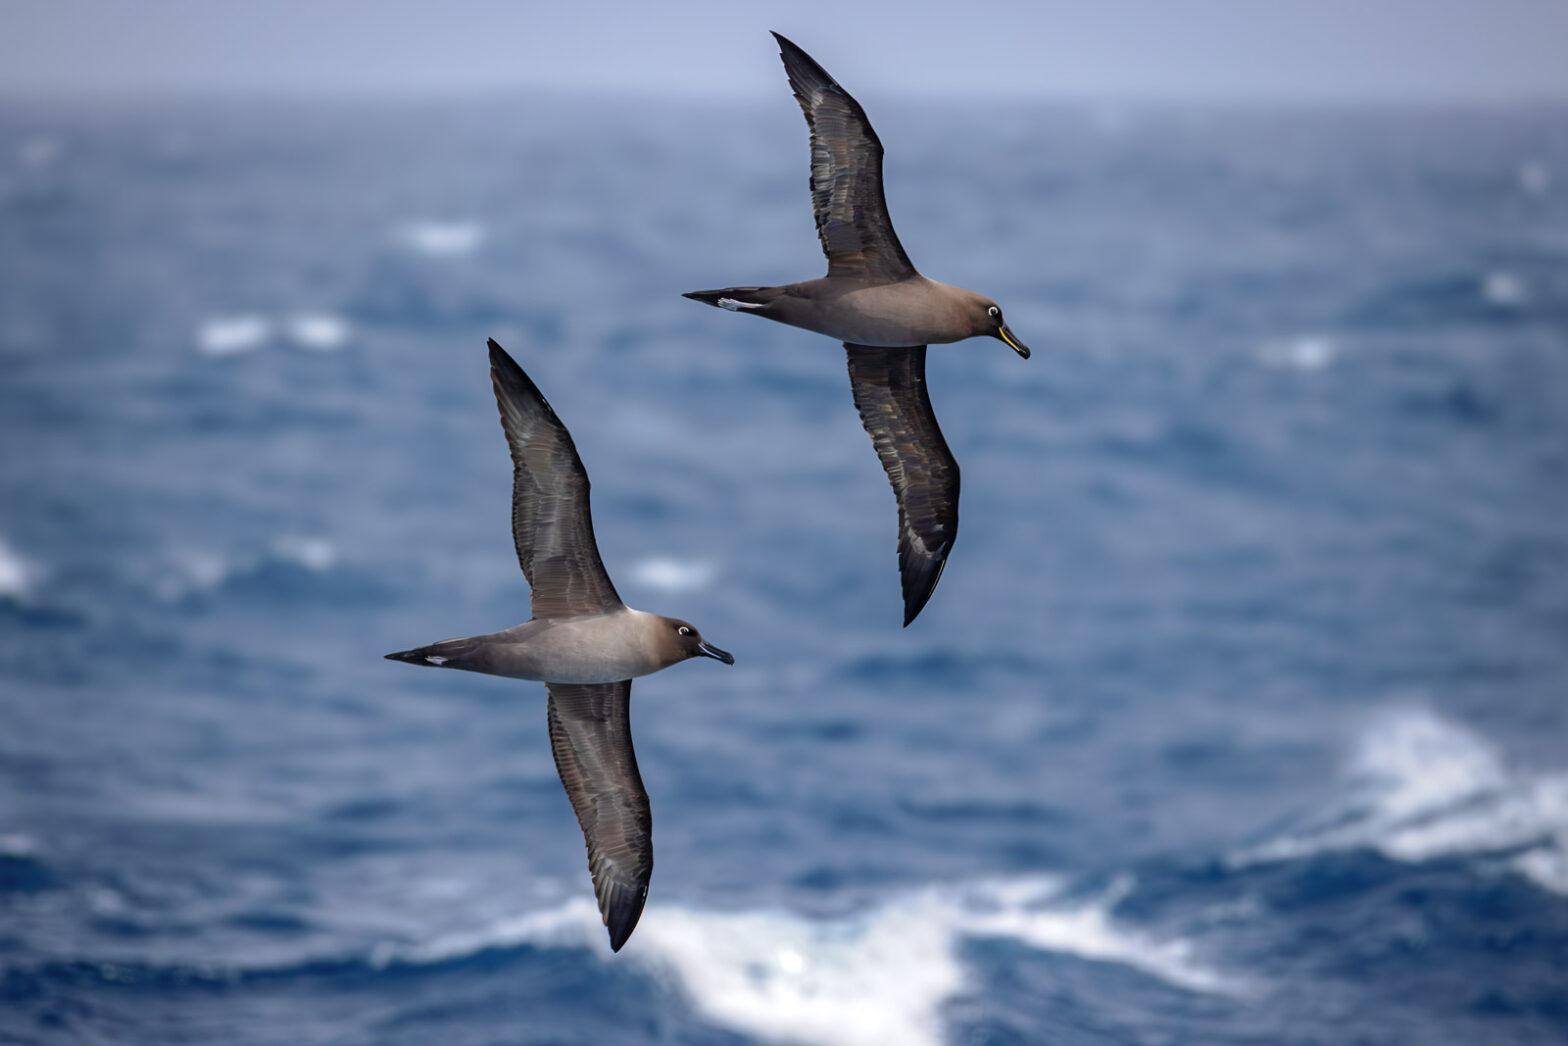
[{"x": 1238, "y": 717}]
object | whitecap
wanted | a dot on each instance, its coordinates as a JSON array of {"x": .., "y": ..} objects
[
  {"x": 1306, "y": 353},
  {"x": 442, "y": 238},
  {"x": 1534, "y": 178},
  {"x": 38, "y": 152},
  {"x": 231, "y": 335},
  {"x": 17, "y": 575},
  {"x": 317, "y": 331},
  {"x": 15, "y": 844},
  {"x": 669, "y": 574},
  {"x": 877, "y": 977},
  {"x": 313, "y": 553},
  {"x": 1503, "y": 290},
  {"x": 1421, "y": 787},
  {"x": 192, "y": 571}
]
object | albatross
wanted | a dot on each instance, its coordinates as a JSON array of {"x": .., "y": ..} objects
[
  {"x": 885, "y": 313},
  {"x": 582, "y": 642}
]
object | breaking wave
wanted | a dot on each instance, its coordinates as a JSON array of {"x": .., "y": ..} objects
[
  {"x": 1423, "y": 787},
  {"x": 877, "y": 977}
]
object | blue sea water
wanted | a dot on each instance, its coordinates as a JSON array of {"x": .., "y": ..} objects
[{"x": 1240, "y": 715}]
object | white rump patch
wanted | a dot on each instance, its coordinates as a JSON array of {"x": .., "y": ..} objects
[
  {"x": 734, "y": 304},
  {"x": 435, "y": 659}
]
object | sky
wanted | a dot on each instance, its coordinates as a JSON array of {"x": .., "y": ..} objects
[{"x": 1230, "y": 50}]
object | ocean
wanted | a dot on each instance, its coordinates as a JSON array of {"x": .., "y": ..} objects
[{"x": 1240, "y": 714}]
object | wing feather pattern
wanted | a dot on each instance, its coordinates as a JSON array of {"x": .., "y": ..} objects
[
  {"x": 551, "y": 523},
  {"x": 591, "y": 738},
  {"x": 890, "y": 393},
  {"x": 846, "y": 175}
]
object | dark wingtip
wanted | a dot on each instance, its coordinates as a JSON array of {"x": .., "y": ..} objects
[
  {"x": 404, "y": 655},
  {"x": 621, "y": 914},
  {"x": 920, "y": 575},
  {"x": 789, "y": 48}
]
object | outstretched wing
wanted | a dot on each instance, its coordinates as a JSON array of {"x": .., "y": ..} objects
[
  {"x": 846, "y": 175},
  {"x": 591, "y": 737},
  {"x": 551, "y": 524},
  {"x": 890, "y": 393}
]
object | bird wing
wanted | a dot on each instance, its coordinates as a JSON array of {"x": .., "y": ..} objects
[
  {"x": 890, "y": 393},
  {"x": 591, "y": 737},
  {"x": 846, "y": 175},
  {"x": 551, "y": 523}
]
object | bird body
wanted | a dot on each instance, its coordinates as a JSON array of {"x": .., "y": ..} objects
[
  {"x": 596, "y": 648},
  {"x": 582, "y": 642},
  {"x": 901, "y": 314},
  {"x": 885, "y": 312}
]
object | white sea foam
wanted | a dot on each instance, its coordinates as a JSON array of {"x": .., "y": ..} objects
[
  {"x": 1534, "y": 178},
  {"x": 1307, "y": 352},
  {"x": 312, "y": 553},
  {"x": 875, "y": 978},
  {"x": 38, "y": 152},
  {"x": 442, "y": 238},
  {"x": 1503, "y": 290},
  {"x": 317, "y": 331},
  {"x": 15, "y": 844},
  {"x": 1422, "y": 787},
  {"x": 231, "y": 335},
  {"x": 190, "y": 571},
  {"x": 669, "y": 574},
  {"x": 17, "y": 575}
]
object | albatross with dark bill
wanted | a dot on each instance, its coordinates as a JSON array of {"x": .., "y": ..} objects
[
  {"x": 884, "y": 312},
  {"x": 583, "y": 643}
]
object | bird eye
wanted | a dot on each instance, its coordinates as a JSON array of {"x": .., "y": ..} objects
[
  {"x": 994, "y": 311},
  {"x": 683, "y": 630}
]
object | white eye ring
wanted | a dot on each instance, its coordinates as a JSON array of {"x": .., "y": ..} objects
[
  {"x": 994, "y": 311},
  {"x": 683, "y": 630}
]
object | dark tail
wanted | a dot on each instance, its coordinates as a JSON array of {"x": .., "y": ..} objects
[
  {"x": 735, "y": 299},
  {"x": 449, "y": 653}
]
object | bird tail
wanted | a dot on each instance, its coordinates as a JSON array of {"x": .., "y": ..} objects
[
  {"x": 736, "y": 299},
  {"x": 449, "y": 653}
]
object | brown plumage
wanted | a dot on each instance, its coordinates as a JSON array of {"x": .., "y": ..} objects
[
  {"x": 583, "y": 642},
  {"x": 884, "y": 311}
]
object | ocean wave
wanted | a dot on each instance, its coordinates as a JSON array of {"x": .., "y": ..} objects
[
  {"x": 313, "y": 553},
  {"x": 16, "y": 844},
  {"x": 669, "y": 574},
  {"x": 1422, "y": 787},
  {"x": 1534, "y": 178},
  {"x": 1306, "y": 353},
  {"x": 876, "y": 977},
  {"x": 38, "y": 152},
  {"x": 232, "y": 335},
  {"x": 442, "y": 238},
  {"x": 192, "y": 571},
  {"x": 17, "y": 575},
  {"x": 1503, "y": 290},
  {"x": 317, "y": 331}
]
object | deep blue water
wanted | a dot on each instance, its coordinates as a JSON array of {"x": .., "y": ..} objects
[{"x": 1240, "y": 715}]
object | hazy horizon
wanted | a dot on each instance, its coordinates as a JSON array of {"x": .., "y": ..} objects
[{"x": 1137, "y": 51}]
